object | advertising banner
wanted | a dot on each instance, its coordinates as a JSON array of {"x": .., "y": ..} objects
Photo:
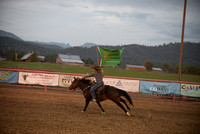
[
  {"x": 159, "y": 87},
  {"x": 127, "y": 85},
  {"x": 8, "y": 76},
  {"x": 190, "y": 90},
  {"x": 110, "y": 57},
  {"x": 66, "y": 80},
  {"x": 38, "y": 78}
]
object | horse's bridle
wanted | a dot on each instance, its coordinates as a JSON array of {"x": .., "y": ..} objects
[{"x": 85, "y": 88}]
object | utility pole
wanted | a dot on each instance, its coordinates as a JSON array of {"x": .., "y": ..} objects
[
  {"x": 97, "y": 55},
  {"x": 182, "y": 39}
]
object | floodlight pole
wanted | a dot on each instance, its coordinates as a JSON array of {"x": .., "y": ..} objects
[{"x": 182, "y": 39}]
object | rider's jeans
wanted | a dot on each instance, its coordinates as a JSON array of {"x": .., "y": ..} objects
[{"x": 92, "y": 90}]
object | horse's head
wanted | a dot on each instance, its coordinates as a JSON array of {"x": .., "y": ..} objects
[
  {"x": 74, "y": 83},
  {"x": 81, "y": 83}
]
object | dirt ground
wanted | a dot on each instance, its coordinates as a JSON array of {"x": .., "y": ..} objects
[{"x": 34, "y": 111}]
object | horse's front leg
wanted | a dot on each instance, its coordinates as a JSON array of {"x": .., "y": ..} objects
[
  {"x": 103, "y": 112},
  {"x": 87, "y": 101}
]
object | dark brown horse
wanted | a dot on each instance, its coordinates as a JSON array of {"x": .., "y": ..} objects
[{"x": 109, "y": 92}]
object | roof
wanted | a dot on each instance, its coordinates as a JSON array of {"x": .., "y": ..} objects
[
  {"x": 70, "y": 58},
  {"x": 26, "y": 56},
  {"x": 41, "y": 57},
  {"x": 2, "y": 59},
  {"x": 136, "y": 66},
  {"x": 158, "y": 69}
]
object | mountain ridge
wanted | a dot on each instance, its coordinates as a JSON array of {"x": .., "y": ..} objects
[
  {"x": 8, "y": 34},
  {"x": 88, "y": 45},
  {"x": 63, "y": 45},
  {"x": 45, "y": 44}
]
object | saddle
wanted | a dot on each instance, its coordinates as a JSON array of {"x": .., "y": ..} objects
[{"x": 101, "y": 89}]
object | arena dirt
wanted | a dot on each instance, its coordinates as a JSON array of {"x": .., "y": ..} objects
[{"x": 33, "y": 111}]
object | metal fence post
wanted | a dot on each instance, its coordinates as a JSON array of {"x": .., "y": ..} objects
[
  {"x": 174, "y": 98},
  {"x": 45, "y": 88}
]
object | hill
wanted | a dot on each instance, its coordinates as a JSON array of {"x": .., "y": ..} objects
[
  {"x": 133, "y": 54},
  {"x": 25, "y": 46},
  {"x": 62, "y": 45},
  {"x": 10, "y": 35},
  {"x": 138, "y": 54},
  {"x": 88, "y": 45},
  {"x": 50, "y": 45}
]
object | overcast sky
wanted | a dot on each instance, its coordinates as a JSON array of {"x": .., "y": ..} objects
[{"x": 105, "y": 22}]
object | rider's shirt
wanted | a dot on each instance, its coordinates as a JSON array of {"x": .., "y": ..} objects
[{"x": 97, "y": 76}]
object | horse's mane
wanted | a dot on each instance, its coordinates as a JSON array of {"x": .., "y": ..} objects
[{"x": 87, "y": 81}]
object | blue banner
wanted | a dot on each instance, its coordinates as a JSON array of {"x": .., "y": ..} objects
[
  {"x": 159, "y": 87},
  {"x": 8, "y": 76}
]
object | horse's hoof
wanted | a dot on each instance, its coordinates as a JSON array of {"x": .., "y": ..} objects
[
  {"x": 82, "y": 111},
  {"x": 103, "y": 112},
  {"x": 128, "y": 114}
]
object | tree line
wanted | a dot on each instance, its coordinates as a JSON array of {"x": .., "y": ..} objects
[{"x": 186, "y": 69}]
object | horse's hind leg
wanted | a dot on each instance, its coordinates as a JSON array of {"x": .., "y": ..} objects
[
  {"x": 122, "y": 100},
  {"x": 122, "y": 107},
  {"x": 101, "y": 107}
]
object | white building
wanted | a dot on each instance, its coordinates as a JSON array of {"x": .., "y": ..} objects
[{"x": 69, "y": 59}]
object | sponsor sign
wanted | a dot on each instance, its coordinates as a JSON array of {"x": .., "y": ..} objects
[
  {"x": 38, "y": 78},
  {"x": 190, "y": 90},
  {"x": 8, "y": 76},
  {"x": 127, "y": 85},
  {"x": 66, "y": 80},
  {"x": 159, "y": 87}
]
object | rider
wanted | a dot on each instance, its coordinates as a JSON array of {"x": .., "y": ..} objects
[{"x": 98, "y": 74}]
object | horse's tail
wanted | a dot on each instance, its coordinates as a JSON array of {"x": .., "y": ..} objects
[{"x": 125, "y": 94}]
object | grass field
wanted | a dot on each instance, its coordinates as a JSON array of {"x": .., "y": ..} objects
[{"x": 107, "y": 71}]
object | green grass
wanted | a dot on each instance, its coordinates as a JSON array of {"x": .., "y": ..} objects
[{"x": 107, "y": 71}]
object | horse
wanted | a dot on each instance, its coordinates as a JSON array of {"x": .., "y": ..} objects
[{"x": 108, "y": 92}]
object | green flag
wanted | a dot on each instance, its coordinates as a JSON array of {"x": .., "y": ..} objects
[{"x": 110, "y": 57}]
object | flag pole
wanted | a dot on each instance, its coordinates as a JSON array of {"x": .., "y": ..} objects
[
  {"x": 97, "y": 55},
  {"x": 182, "y": 38}
]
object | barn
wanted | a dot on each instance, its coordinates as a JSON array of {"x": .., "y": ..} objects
[
  {"x": 27, "y": 57},
  {"x": 68, "y": 59},
  {"x": 135, "y": 67},
  {"x": 142, "y": 68},
  {"x": 154, "y": 69}
]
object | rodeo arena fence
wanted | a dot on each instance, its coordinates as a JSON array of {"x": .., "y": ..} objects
[{"x": 146, "y": 88}]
